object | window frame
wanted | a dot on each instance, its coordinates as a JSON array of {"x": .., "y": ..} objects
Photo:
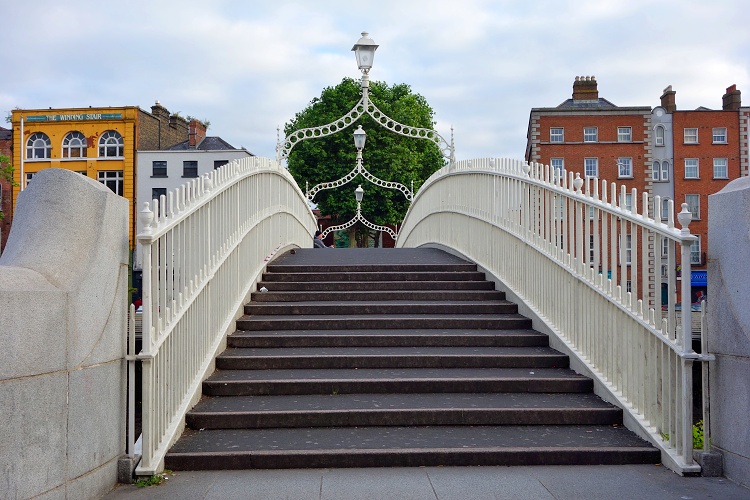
[
  {"x": 659, "y": 134},
  {"x": 161, "y": 190},
  {"x": 723, "y": 136},
  {"x": 687, "y": 135},
  {"x": 725, "y": 167},
  {"x": 695, "y": 251},
  {"x": 162, "y": 165},
  {"x": 665, "y": 208},
  {"x": 697, "y": 168},
  {"x": 655, "y": 170},
  {"x": 187, "y": 167},
  {"x": 117, "y": 177},
  {"x": 585, "y": 166},
  {"x": 32, "y": 146},
  {"x": 81, "y": 148},
  {"x": 588, "y": 134},
  {"x": 107, "y": 141},
  {"x": 555, "y": 137},
  {"x": 693, "y": 201},
  {"x": 624, "y": 132},
  {"x": 622, "y": 161},
  {"x": 665, "y": 170},
  {"x": 220, "y": 163}
]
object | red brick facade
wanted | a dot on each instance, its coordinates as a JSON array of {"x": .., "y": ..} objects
[{"x": 715, "y": 147}]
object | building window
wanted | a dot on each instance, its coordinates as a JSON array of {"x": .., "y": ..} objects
[
  {"x": 720, "y": 168},
  {"x": 591, "y": 167},
  {"x": 624, "y": 134},
  {"x": 111, "y": 145},
  {"x": 190, "y": 169},
  {"x": 629, "y": 285},
  {"x": 220, "y": 163},
  {"x": 627, "y": 202},
  {"x": 664, "y": 247},
  {"x": 29, "y": 176},
  {"x": 113, "y": 179},
  {"x": 691, "y": 136},
  {"x": 655, "y": 168},
  {"x": 157, "y": 193},
  {"x": 659, "y": 133},
  {"x": 691, "y": 168},
  {"x": 592, "y": 248},
  {"x": 557, "y": 134},
  {"x": 694, "y": 205},
  {"x": 625, "y": 167},
  {"x": 720, "y": 135},
  {"x": 695, "y": 251},
  {"x": 665, "y": 208},
  {"x": 625, "y": 251},
  {"x": 558, "y": 165},
  {"x": 74, "y": 145},
  {"x": 590, "y": 134},
  {"x": 38, "y": 146},
  {"x": 159, "y": 168},
  {"x": 665, "y": 170}
]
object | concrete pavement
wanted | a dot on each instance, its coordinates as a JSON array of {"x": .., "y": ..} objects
[{"x": 616, "y": 482}]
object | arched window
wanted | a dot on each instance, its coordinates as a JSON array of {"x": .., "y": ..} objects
[
  {"x": 38, "y": 146},
  {"x": 111, "y": 144},
  {"x": 74, "y": 145},
  {"x": 655, "y": 169},
  {"x": 659, "y": 132},
  {"x": 665, "y": 170}
]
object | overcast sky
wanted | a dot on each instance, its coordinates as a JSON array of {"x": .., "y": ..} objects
[{"x": 249, "y": 66}]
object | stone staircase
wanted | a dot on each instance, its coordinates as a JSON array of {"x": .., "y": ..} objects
[{"x": 393, "y": 357}]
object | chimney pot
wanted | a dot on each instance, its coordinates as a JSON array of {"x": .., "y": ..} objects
[{"x": 732, "y": 100}]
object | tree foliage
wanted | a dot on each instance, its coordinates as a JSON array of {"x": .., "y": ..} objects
[
  {"x": 6, "y": 173},
  {"x": 387, "y": 155}
]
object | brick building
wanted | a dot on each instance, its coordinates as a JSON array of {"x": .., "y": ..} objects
[
  {"x": 674, "y": 154},
  {"x": 98, "y": 142},
  {"x": 6, "y": 191}
]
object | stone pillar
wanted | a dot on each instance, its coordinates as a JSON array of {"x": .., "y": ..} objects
[
  {"x": 729, "y": 326},
  {"x": 63, "y": 303}
]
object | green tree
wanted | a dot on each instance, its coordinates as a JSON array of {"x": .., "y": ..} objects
[
  {"x": 387, "y": 155},
  {"x": 6, "y": 174}
]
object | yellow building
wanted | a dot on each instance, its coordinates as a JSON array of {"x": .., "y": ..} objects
[{"x": 100, "y": 143}]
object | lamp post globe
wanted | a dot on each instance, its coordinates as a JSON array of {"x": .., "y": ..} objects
[
  {"x": 359, "y": 193},
  {"x": 364, "y": 50},
  {"x": 359, "y": 138}
]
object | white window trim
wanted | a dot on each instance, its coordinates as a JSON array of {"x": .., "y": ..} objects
[
  {"x": 596, "y": 134},
  {"x": 685, "y": 135},
  {"x": 562, "y": 135},
  {"x": 585, "y": 172},
  {"x": 725, "y": 166},
  {"x": 713, "y": 135},
  {"x": 623, "y": 161},
  {"x": 697, "y": 168},
  {"x": 628, "y": 131},
  {"x": 657, "y": 137},
  {"x": 697, "y": 205}
]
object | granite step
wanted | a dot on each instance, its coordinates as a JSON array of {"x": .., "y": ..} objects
[
  {"x": 408, "y": 447},
  {"x": 370, "y": 268},
  {"x": 388, "y": 338},
  {"x": 390, "y": 307},
  {"x": 383, "y": 321},
  {"x": 347, "y": 410},
  {"x": 389, "y": 357},
  {"x": 393, "y": 380},
  {"x": 381, "y": 276},
  {"x": 325, "y": 286},
  {"x": 373, "y": 295}
]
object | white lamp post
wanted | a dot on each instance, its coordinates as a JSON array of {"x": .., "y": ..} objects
[
  {"x": 359, "y": 193},
  {"x": 360, "y": 136},
  {"x": 364, "y": 50}
]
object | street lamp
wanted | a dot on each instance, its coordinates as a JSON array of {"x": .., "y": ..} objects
[
  {"x": 364, "y": 50},
  {"x": 359, "y": 138},
  {"x": 359, "y": 193}
]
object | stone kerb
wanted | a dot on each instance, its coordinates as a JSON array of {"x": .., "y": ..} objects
[
  {"x": 63, "y": 303},
  {"x": 729, "y": 325}
]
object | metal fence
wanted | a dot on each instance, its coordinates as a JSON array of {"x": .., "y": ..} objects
[
  {"x": 203, "y": 248},
  {"x": 590, "y": 261}
]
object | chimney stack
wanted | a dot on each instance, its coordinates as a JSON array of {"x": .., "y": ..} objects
[
  {"x": 668, "y": 100},
  {"x": 732, "y": 99},
  {"x": 196, "y": 133},
  {"x": 584, "y": 89}
]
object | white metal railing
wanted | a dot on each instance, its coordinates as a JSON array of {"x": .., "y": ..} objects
[
  {"x": 589, "y": 266},
  {"x": 203, "y": 247}
]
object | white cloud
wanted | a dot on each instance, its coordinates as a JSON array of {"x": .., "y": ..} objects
[{"x": 248, "y": 67}]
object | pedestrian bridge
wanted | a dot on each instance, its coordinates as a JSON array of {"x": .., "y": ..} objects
[{"x": 586, "y": 268}]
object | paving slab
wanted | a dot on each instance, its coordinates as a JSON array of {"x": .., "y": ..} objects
[{"x": 601, "y": 482}]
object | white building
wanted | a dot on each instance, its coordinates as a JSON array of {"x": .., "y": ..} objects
[{"x": 162, "y": 171}]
